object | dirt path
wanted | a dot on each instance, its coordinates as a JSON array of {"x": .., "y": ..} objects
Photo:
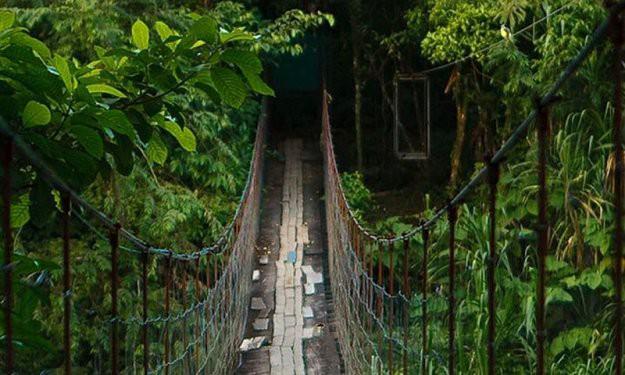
[{"x": 290, "y": 313}]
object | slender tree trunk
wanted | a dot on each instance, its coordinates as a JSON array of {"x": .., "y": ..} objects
[
  {"x": 118, "y": 211},
  {"x": 461, "y": 125},
  {"x": 481, "y": 133},
  {"x": 357, "y": 44},
  {"x": 358, "y": 123}
]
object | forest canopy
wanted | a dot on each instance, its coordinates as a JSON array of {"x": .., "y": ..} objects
[{"x": 147, "y": 109}]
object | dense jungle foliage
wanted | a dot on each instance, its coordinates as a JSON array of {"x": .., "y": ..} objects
[
  {"x": 492, "y": 91},
  {"x": 147, "y": 109}
]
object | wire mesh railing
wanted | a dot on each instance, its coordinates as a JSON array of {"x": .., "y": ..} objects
[
  {"x": 376, "y": 319},
  {"x": 164, "y": 311}
]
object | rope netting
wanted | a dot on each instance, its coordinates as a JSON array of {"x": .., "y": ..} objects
[
  {"x": 164, "y": 311},
  {"x": 388, "y": 328}
]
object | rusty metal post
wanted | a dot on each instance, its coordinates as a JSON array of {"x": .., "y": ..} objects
[
  {"x": 215, "y": 270},
  {"x": 424, "y": 305},
  {"x": 144, "y": 327},
  {"x": 391, "y": 250},
  {"x": 379, "y": 302},
  {"x": 405, "y": 312},
  {"x": 114, "y": 242},
  {"x": 356, "y": 245},
  {"x": 207, "y": 304},
  {"x": 543, "y": 236},
  {"x": 167, "y": 310},
  {"x": 493, "y": 179},
  {"x": 185, "y": 339},
  {"x": 67, "y": 285},
  {"x": 7, "y": 158},
  {"x": 357, "y": 269},
  {"x": 370, "y": 289},
  {"x": 452, "y": 217},
  {"x": 617, "y": 41},
  {"x": 197, "y": 313}
]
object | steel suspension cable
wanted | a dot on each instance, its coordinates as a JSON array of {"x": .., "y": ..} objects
[
  {"x": 598, "y": 36},
  {"x": 59, "y": 184}
]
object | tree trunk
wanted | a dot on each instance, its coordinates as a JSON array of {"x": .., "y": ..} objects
[
  {"x": 358, "y": 123},
  {"x": 461, "y": 125},
  {"x": 357, "y": 44},
  {"x": 481, "y": 134}
]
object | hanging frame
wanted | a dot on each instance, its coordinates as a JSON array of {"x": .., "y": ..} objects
[{"x": 411, "y": 142}]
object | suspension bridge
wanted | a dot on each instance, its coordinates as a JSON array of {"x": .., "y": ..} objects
[{"x": 292, "y": 286}]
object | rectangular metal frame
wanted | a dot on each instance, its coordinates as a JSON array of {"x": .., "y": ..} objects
[{"x": 422, "y": 155}]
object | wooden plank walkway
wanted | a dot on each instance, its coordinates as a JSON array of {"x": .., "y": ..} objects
[{"x": 289, "y": 312}]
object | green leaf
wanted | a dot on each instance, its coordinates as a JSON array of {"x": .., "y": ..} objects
[
  {"x": 101, "y": 88},
  {"x": 247, "y": 61},
  {"x": 36, "y": 45},
  {"x": 556, "y": 294},
  {"x": 42, "y": 202},
  {"x": 63, "y": 68},
  {"x": 140, "y": 35},
  {"x": 235, "y": 35},
  {"x": 157, "y": 150},
  {"x": 7, "y": 18},
  {"x": 258, "y": 85},
  {"x": 90, "y": 140},
  {"x": 35, "y": 114},
  {"x": 163, "y": 30},
  {"x": 205, "y": 29},
  {"x": 123, "y": 155},
  {"x": 117, "y": 121},
  {"x": 229, "y": 86},
  {"x": 185, "y": 136},
  {"x": 187, "y": 140},
  {"x": 83, "y": 95},
  {"x": 20, "y": 214}
]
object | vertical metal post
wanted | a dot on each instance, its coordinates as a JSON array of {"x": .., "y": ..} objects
[
  {"x": 358, "y": 268},
  {"x": 391, "y": 250},
  {"x": 144, "y": 328},
  {"x": 114, "y": 241},
  {"x": 405, "y": 315},
  {"x": 356, "y": 245},
  {"x": 67, "y": 285},
  {"x": 424, "y": 305},
  {"x": 207, "y": 304},
  {"x": 185, "y": 340},
  {"x": 370, "y": 291},
  {"x": 379, "y": 302},
  {"x": 617, "y": 41},
  {"x": 493, "y": 179},
  {"x": 167, "y": 310},
  {"x": 197, "y": 314},
  {"x": 7, "y": 158},
  {"x": 452, "y": 217},
  {"x": 543, "y": 236},
  {"x": 215, "y": 270}
]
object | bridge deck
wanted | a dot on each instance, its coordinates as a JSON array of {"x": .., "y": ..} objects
[{"x": 291, "y": 305}]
